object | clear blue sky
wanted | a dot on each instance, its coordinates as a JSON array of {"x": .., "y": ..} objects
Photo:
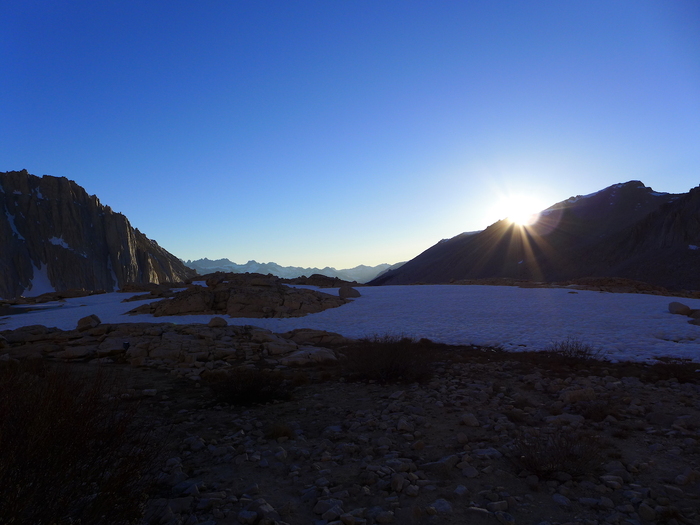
[{"x": 345, "y": 132}]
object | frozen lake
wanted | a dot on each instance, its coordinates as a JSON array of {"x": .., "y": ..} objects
[{"x": 624, "y": 326}]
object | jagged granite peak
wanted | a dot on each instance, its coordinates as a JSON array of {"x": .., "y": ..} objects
[
  {"x": 360, "y": 274},
  {"x": 602, "y": 234},
  {"x": 54, "y": 236}
]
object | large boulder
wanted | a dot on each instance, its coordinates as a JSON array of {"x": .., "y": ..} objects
[
  {"x": 91, "y": 321},
  {"x": 348, "y": 292},
  {"x": 678, "y": 308}
]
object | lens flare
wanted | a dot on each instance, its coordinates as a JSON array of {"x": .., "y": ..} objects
[{"x": 522, "y": 210}]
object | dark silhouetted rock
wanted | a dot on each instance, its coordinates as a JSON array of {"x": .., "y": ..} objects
[
  {"x": 624, "y": 231},
  {"x": 678, "y": 308},
  {"x": 348, "y": 292},
  {"x": 243, "y": 295},
  {"x": 91, "y": 321}
]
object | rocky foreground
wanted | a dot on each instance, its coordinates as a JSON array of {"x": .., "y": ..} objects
[{"x": 489, "y": 438}]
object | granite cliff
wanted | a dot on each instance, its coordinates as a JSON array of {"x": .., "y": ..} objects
[{"x": 54, "y": 236}]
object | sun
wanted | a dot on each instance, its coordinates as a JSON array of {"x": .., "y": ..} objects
[{"x": 523, "y": 210}]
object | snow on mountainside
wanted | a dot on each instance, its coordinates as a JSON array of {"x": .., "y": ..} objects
[{"x": 361, "y": 274}]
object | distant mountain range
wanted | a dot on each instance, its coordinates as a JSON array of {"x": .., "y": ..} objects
[
  {"x": 56, "y": 237},
  {"x": 626, "y": 230},
  {"x": 361, "y": 274}
]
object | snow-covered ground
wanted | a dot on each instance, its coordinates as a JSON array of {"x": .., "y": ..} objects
[{"x": 624, "y": 326}]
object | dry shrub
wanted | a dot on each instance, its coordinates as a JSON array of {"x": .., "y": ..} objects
[
  {"x": 597, "y": 409},
  {"x": 573, "y": 350},
  {"x": 574, "y": 452},
  {"x": 71, "y": 451},
  {"x": 516, "y": 416},
  {"x": 389, "y": 359},
  {"x": 245, "y": 386},
  {"x": 278, "y": 430},
  {"x": 623, "y": 431}
]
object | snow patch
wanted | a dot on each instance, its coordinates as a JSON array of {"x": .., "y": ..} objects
[
  {"x": 692, "y": 247},
  {"x": 115, "y": 281},
  {"x": 58, "y": 241},
  {"x": 16, "y": 192},
  {"x": 11, "y": 219},
  {"x": 572, "y": 200},
  {"x": 40, "y": 282}
]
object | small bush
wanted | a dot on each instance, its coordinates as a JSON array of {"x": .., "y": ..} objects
[
  {"x": 278, "y": 430},
  {"x": 246, "y": 386},
  {"x": 70, "y": 450},
  {"x": 575, "y": 453},
  {"x": 388, "y": 359},
  {"x": 572, "y": 349},
  {"x": 597, "y": 409}
]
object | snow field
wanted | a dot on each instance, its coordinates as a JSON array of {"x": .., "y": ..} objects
[{"x": 624, "y": 326}]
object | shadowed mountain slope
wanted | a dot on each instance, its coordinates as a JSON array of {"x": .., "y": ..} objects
[
  {"x": 55, "y": 236},
  {"x": 626, "y": 230}
]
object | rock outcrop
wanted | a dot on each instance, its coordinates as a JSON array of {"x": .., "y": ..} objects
[
  {"x": 243, "y": 295},
  {"x": 322, "y": 281},
  {"x": 56, "y": 237}
]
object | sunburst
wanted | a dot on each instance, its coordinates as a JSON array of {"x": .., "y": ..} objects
[{"x": 522, "y": 210}]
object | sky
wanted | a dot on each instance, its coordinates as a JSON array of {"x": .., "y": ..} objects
[{"x": 339, "y": 133}]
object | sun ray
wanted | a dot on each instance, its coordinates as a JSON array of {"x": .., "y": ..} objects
[{"x": 521, "y": 209}]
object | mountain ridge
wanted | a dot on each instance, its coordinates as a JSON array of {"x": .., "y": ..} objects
[
  {"x": 361, "y": 273},
  {"x": 583, "y": 236}
]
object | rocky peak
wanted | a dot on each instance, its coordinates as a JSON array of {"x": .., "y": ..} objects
[{"x": 57, "y": 237}]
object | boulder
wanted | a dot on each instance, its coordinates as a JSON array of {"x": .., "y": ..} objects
[
  {"x": 112, "y": 346},
  {"x": 308, "y": 355},
  {"x": 348, "y": 292},
  {"x": 469, "y": 420},
  {"x": 192, "y": 301},
  {"x": 217, "y": 322},
  {"x": 91, "y": 321},
  {"x": 678, "y": 308}
]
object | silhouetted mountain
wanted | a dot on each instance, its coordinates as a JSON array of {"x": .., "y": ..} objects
[
  {"x": 54, "y": 236},
  {"x": 360, "y": 274},
  {"x": 663, "y": 248},
  {"x": 626, "y": 230}
]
